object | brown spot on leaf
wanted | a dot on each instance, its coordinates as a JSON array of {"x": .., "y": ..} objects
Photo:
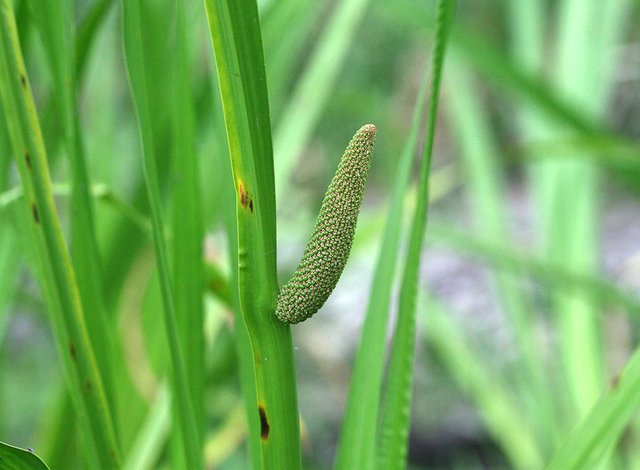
[
  {"x": 27, "y": 159},
  {"x": 264, "y": 423},
  {"x": 243, "y": 194},
  {"x": 23, "y": 80},
  {"x": 615, "y": 381},
  {"x": 34, "y": 211},
  {"x": 72, "y": 351},
  {"x": 246, "y": 201}
]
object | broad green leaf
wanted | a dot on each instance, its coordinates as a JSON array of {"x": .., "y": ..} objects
[{"x": 14, "y": 458}]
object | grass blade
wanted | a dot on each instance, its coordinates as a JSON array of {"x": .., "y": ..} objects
[
  {"x": 9, "y": 252},
  {"x": 87, "y": 32},
  {"x": 188, "y": 232},
  {"x": 135, "y": 61},
  {"x": 55, "y": 20},
  {"x": 235, "y": 34},
  {"x": 60, "y": 286},
  {"x": 395, "y": 421}
]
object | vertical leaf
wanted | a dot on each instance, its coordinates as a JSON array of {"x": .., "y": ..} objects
[
  {"x": 187, "y": 227},
  {"x": 55, "y": 20},
  {"x": 60, "y": 286},
  {"x": 135, "y": 61},
  {"x": 235, "y": 34},
  {"x": 397, "y": 405}
]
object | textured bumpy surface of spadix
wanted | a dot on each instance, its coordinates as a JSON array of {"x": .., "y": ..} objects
[{"x": 328, "y": 249}]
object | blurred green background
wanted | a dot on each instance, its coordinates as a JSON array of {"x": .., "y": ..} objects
[{"x": 533, "y": 246}]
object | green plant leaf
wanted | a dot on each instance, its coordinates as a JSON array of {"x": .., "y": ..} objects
[
  {"x": 55, "y": 21},
  {"x": 133, "y": 32},
  {"x": 59, "y": 285},
  {"x": 394, "y": 431},
  {"x": 237, "y": 44},
  {"x": 14, "y": 458},
  {"x": 187, "y": 227}
]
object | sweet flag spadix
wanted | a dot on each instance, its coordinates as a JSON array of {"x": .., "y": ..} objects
[{"x": 328, "y": 249}]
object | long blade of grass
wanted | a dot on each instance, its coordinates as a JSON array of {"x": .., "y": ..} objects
[
  {"x": 60, "y": 286},
  {"x": 187, "y": 224},
  {"x": 135, "y": 61},
  {"x": 241, "y": 340},
  {"x": 55, "y": 20},
  {"x": 235, "y": 34},
  {"x": 356, "y": 448},
  {"x": 397, "y": 404}
]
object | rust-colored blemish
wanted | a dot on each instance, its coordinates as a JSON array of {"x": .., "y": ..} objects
[
  {"x": 72, "y": 351},
  {"x": 34, "y": 211},
  {"x": 246, "y": 201},
  {"x": 264, "y": 423},
  {"x": 27, "y": 159},
  {"x": 615, "y": 380},
  {"x": 23, "y": 80},
  {"x": 243, "y": 194}
]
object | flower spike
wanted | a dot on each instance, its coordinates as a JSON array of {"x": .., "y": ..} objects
[{"x": 328, "y": 249}]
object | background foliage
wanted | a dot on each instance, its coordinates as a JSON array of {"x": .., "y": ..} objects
[{"x": 527, "y": 293}]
